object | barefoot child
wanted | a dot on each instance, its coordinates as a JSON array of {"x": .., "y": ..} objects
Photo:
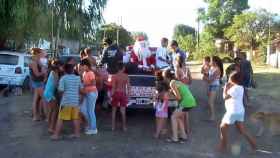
[
  {"x": 205, "y": 71},
  {"x": 70, "y": 86},
  {"x": 120, "y": 89},
  {"x": 233, "y": 95},
  {"x": 161, "y": 106},
  {"x": 50, "y": 93}
]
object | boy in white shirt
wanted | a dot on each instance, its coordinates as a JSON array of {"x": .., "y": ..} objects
[
  {"x": 233, "y": 96},
  {"x": 162, "y": 55}
]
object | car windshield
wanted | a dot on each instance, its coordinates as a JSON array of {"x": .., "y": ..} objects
[{"x": 7, "y": 59}]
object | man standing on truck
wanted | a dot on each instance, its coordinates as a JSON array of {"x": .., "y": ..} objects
[
  {"x": 111, "y": 56},
  {"x": 162, "y": 60}
]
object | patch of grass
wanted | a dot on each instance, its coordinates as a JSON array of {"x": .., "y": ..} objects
[{"x": 268, "y": 82}]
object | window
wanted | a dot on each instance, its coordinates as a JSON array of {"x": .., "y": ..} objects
[{"x": 7, "y": 59}]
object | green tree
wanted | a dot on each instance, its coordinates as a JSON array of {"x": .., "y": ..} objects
[
  {"x": 183, "y": 30},
  {"x": 250, "y": 30},
  {"x": 243, "y": 31},
  {"x": 18, "y": 19},
  {"x": 110, "y": 31},
  {"x": 219, "y": 15},
  {"x": 137, "y": 34},
  {"x": 23, "y": 21},
  {"x": 207, "y": 46},
  {"x": 74, "y": 21},
  {"x": 185, "y": 36}
]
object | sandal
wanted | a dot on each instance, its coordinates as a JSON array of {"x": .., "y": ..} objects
[
  {"x": 171, "y": 140},
  {"x": 183, "y": 139},
  {"x": 73, "y": 136},
  {"x": 56, "y": 138}
]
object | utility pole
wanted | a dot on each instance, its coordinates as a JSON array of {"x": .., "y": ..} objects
[
  {"x": 198, "y": 28},
  {"x": 52, "y": 45},
  {"x": 268, "y": 42}
]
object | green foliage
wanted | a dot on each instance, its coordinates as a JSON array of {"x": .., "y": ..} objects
[
  {"x": 110, "y": 31},
  {"x": 206, "y": 47},
  {"x": 220, "y": 14},
  {"x": 185, "y": 36},
  {"x": 187, "y": 43},
  {"x": 26, "y": 21},
  {"x": 137, "y": 34},
  {"x": 182, "y": 30},
  {"x": 243, "y": 30},
  {"x": 250, "y": 31}
]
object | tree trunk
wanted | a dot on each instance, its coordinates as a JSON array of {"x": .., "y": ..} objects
[{"x": 58, "y": 36}]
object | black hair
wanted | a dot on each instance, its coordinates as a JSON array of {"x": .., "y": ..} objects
[
  {"x": 55, "y": 64},
  {"x": 174, "y": 43},
  {"x": 237, "y": 60},
  {"x": 236, "y": 77},
  {"x": 107, "y": 41},
  {"x": 69, "y": 59},
  {"x": 169, "y": 74},
  {"x": 69, "y": 68},
  {"x": 181, "y": 62},
  {"x": 85, "y": 62},
  {"x": 158, "y": 75},
  {"x": 120, "y": 66},
  {"x": 122, "y": 47},
  {"x": 207, "y": 58},
  {"x": 164, "y": 39},
  {"x": 219, "y": 63}
]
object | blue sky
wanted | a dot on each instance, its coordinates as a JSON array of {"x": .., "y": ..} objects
[{"x": 158, "y": 17}]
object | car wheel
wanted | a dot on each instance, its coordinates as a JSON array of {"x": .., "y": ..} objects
[{"x": 26, "y": 84}]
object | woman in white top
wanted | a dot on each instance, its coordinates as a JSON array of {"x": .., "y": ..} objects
[
  {"x": 215, "y": 75},
  {"x": 233, "y": 95}
]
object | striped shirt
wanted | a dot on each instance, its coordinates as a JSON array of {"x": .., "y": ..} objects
[{"x": 70, "y": 85}]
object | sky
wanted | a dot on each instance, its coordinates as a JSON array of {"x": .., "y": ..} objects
[{"x": 158, "y": 17}]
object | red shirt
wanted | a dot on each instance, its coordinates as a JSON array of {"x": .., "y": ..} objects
[
  {"x": 134, "y": 58},
  {"x": 151, "y": 60}
]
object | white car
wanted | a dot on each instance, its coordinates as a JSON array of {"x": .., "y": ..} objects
[{"x": 14, "y": 69}]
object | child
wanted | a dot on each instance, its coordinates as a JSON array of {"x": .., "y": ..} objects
[
  {"x": 70, "y": 86},
  {"x": 233, "y": 95},
  {"x": 120, "y": 90},
  {"x": 214, "y": 81},
  {"x": 205, "y": 71},
  {"x": 186, "y": 102},
  {"x": 50, "y": 93},
  {"x": 90, "y": 97},
  {"x": 161, "y": 106}
]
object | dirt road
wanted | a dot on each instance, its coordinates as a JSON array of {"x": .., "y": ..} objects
[{"x": 22, "y": 138}]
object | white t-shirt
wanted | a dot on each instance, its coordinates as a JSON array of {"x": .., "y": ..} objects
[
  {"x": 163, "y": 53},
  {"x": 235, "y": 103}
]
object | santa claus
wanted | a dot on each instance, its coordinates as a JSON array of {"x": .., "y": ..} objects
[{"x": 141, "y": 53}]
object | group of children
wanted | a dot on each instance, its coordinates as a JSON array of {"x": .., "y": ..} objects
[
  {"x": 233, "y": 94},
  {"x": 70, "y": 94},
  {"x": 68, "y": 91}
]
